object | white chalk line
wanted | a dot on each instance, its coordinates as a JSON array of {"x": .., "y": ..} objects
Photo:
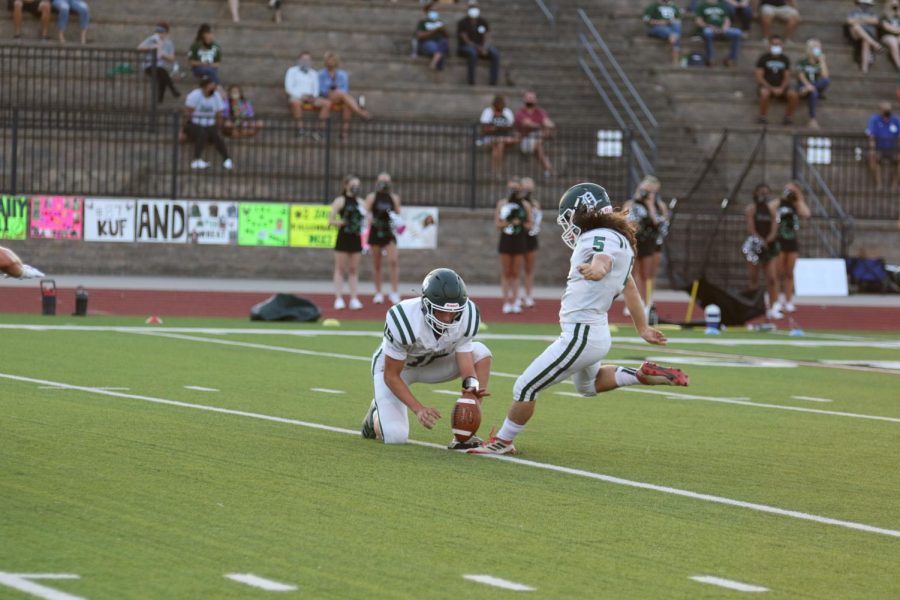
[
  {"x": 729, "y": 583},
  {"x": 570, "y": 394},
  {"x": 115, "y": 389},
  {"x": 500, "y": 583},
  {"x": 200, "y": 388},
  {"x": 448, "y": 392},
  {"x": 326, "y": 390},
  {"x": 818, "y": 411},
  {"x": 23, "y": 583},
  {"x": 261, "y": 582},
  {"x": 811, "y": 398},
  {"x": 675, "y": 395},
  {"x": 764, "y": 508}
]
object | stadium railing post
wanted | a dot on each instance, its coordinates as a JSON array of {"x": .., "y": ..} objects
[
  {"x": 473, "y": 166},
  {"x": 13, "y": 161},
  {"x": 326, "y": 183},
  {"x": 176, "y": 126}
]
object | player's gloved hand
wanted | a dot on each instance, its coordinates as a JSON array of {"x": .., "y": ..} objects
[
  {"x": 427, "y": 416},
  {"x": 653, "y": 336}
]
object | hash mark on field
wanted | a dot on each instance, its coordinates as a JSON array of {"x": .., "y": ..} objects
[
  {"x": 260, "y": 582},
  {"x": 811, "y": 398},
  {"x": 500, "y": 583},
  {"x": 326, "y": 390},
  {"x": 729, "y": 583},
  {"x": 200, "y": 388},
  {"x": 23, "y": 582},
  {"x": 570, "y": 394},
  {"x": 663, "y": 489}
]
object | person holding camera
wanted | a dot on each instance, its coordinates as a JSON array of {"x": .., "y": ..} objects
[
  {"x": 383, "y": 208},
  {"x": 512, "y": 218},
  {"x": 791, "y": 208},
  {"x": 651, "y": 218},
  {"x": 761, "y": 247}
]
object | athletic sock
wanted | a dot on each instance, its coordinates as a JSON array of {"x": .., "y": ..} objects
[
  {"x": 626, "y": 376},
  {"x": 509, "y": 431}
]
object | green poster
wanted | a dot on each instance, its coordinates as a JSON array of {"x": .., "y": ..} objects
[
  {"x": 263, "y": 224},
  {"x": 13, "y": 217}
]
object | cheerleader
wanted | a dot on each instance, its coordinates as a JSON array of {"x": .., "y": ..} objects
[{"x": 347, "y": 213}]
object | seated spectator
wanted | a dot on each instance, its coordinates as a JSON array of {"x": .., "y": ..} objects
[
  {"x": 862, "y": 29},
  {"x": 889, "y": 28},
  {"x": 812, "y": 78},
  {"x": 39, "y": 8},
  {"x": 205, "y": 54},
  {"x": 432, "y": 38},
  {"x": 663, "y": 21},
  {"x": 534, "y": 126},
  {"x": 497, "y": 125},
  {"x": 473, "y": 36},
  {"x": 80, "y": 8},
  {"x": 334, "y": 85},
  {"x": 773, "y": 75},
  {"x": 234, "y": 7},
  {"x": 165, "y": 60},
  {"x": 275, "y": 6},
  {"x": 301, "y": 84},
  {"x": 712, "y": 19},
  {"x": 883, "y": 131},
  {"x": 784, "y": 10},
  {"x": 239, "y": 117},
  {"x": 740, "y": 11},
  {"x": 203, "y": 112}
]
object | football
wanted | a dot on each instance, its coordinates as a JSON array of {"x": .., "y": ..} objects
[{"x": 466, "y": 418}]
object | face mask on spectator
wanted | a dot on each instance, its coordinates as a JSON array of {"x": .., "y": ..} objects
[
  {"x": 474, "y": 12},
  {"x": 529, "y": 104},
  {"x": 776, "y": 50},
  {"x": 383, "y": 186},
  {"x": 886, "y": 114},
  {"x": 761, "y": 197},
  {"x": 235, "y": 95},
  {"x": 433, "y": 15},
  {"x": 817, "y": 51},
  {"x": 354, "y": 190}
]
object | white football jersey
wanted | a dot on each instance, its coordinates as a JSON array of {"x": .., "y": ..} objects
[
  {"x": 587, "y": 302},
  {"x": 409, "y": 337}
]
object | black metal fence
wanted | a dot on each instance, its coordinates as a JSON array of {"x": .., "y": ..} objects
[
  {"x": 141, "y": 154},
  {"x": 843, "y": 162},
  {"x": 53, "y": 77}
]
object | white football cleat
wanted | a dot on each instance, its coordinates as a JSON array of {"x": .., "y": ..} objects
[
  {"x": 355, "y": 304},
  {"x": 378, "y": 299},
  {"x": 395, "y": 298},
  {"x": 29, "y": 272},
  {"x": 495, "y": 446},
  {"x": 653, "y": 374},
  {"x": 339, "y": 303}
]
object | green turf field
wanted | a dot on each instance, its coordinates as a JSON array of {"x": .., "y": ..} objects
[{"x": 153, "y": 465}]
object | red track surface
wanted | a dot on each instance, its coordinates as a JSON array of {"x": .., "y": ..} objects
[{"x": 237, "y": 304}]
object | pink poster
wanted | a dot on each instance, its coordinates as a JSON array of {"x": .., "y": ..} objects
[{"x": 56, "y": 217}]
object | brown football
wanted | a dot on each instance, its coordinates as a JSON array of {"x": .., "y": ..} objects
[{"x": 466, "y": 418}]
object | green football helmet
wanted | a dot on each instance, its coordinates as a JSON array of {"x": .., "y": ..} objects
[
  {"x": 580, "y": 198},
  {"x": 443, "y": 290}
]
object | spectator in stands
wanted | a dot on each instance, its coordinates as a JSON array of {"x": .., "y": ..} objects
[
  {"x": 663, "y": 21},
  {"x": 812, "y": 78},
  {"x": 762, "y": 249},
  {"x": 533, "y": 127},
  {"x": 80, "y": 8},
  {"x": 497, "y": 125},
  {"x": 334, "y": 86},
  {"x": 39, "y": 8},
  {"x": 203, "y": 110},
  {"x": 513, "y": 220},
  {"x": 205, "y": 54},
  {"x": 884, "y": 143},
  {"x": 301, "y": 84},
  {"x": 784, "y": 10},
  {"x": 165, "y": 60},
  {"x": 275, "y": 6},
  {"x": 383, "y": 208},
  {"x": 526, "y": 185},
  {"x": 234, "y": 7},
  {"x": 740, "y": 11},
  {"x": 349, "y": 215},
  {"x": 889, "y": 28},
  {"x": 791, "y": 208},
  {"x": 432, "y": 38},
  {"x": 773, "y": 75},
  {"x": 473, "y": 37},
  {"x": 862, "y": 29},
  {"x": 712, "y": 19},
  {"x": 239, "y": 117}
]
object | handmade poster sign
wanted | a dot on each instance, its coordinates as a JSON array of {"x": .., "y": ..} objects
[
  {"x": 56, "y": 217},
  {"x": 262, "y": 224},
  {"x": 108, "y": 220},
  {"x": 214, "y": 223}
]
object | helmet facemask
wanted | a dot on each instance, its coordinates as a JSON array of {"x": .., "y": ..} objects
[
  {"x": 571, "y": 231},
  {"x": 440, "y": 327}
]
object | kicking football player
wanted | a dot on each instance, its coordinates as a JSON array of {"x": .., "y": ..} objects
[
  {"x": 12, "y": 266},
  {"x": 603, "y": 245},
  {"x": 426, "y": 340}
]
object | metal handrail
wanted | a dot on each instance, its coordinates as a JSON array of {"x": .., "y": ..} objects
[
  {"x": 842, "y": 234},
  {"x": 548, "y": 13},
  {"x": 612, "y": 59}
]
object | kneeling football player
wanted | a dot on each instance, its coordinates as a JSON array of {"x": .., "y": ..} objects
[
  {"x": 12, "y": 266},
  {"x": 426, "y": 340}
]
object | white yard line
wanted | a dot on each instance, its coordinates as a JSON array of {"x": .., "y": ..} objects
[
  {"x": 500, "y": 583},
  {"x": 817, "y": 411},
  {"x": 23, "y": 582},
  {"x": 763, "y": 508},
  {"x": 53, "y": 387},
  {"x": 570, "y": 394},
  {"x": 260, "y": 582},
  {"x": 326, "y": 391},
  {"x": 730, "y": 584},
  {"x": 448, "y": 392},
  {"x": 200, "y": 388},
  {"x": 811, "y": 398}
]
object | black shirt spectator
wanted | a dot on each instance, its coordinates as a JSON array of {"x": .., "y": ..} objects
[
  {"x": 473, "y": 36},
  {"x": 775, "y": 68},
  {"x": 773, "y": 76}
]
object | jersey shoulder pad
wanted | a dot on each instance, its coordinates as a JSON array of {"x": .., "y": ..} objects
[
  {"x": 398, "y": 324},
  {"x": 471, "y": 320}
]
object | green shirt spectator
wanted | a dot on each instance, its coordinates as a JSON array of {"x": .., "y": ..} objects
[
  {"x": 205, "y": 54},
  {"x": 712, "y": 14},
  {"x": 662, "y": 11},
  {"x": 663, "y": 21}
]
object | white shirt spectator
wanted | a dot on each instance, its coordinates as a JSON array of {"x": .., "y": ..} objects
[
  {"x": 298, "y": 83},
  {"x": 205, "y": 107},
  {"x": 506, "y": 119}
]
